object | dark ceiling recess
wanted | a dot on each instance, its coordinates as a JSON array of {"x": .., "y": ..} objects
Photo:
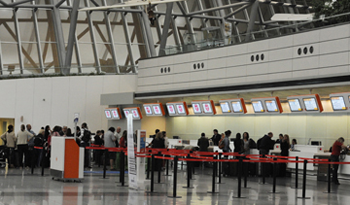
[{"x": 247, "y": 87}]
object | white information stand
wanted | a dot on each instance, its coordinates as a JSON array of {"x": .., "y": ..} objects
[{"x": 67, "y": 159}]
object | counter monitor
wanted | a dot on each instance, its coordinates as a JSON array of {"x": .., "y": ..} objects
[
  {"x": 294, "y": 105},
  {"x": 207, "y": 108},
  {"x": 135, "y": 114},
  {"x": 115, "y": 114},
  {"x": 225, "y": 108},
  {"x": 237, "y": 107},
  {"x": 126, "y": 113},
  {"x": 108, "y": 114},
  {"x": 157, "y": 110},
  {"x": 197, "y": 108},
  {"x": 258, "y": 107},
  {"x": 148, "y": 110},
  {"x": 271, "y": 106},
  {"x": 180, "y": 109},
  {"x": 171, "y": 109},
  {"x": 338, "y": 103},
  {"x": 310, "y": 104}
]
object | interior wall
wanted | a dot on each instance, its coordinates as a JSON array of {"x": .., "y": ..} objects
[
  {"x": 325, "y": 127},
  {"x": 4, "y": 123},
  {"x": 53, "y": 101},
  {"x": 150, "y": 124}
]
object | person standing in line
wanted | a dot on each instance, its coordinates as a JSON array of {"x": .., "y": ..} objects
[
  {"x": 118, "y": 134},
  {"x": 158, "y": 143},
  {"x": 30, "y": 146},
  {"x": 266, "y": 143},
  {"x": 280, "y": 138},
  {"x": 123, "y": 141},
  {"x": 22, "y": 145},
  {"x": 203, "y": 143},
  {"x": 110, "y": 139},
  {"x": 338, "y": 145},
  {"x": 238, "y": 144},
  {"x": 226, "y": 148},
  {"x": 166, "y": 140},
  {"x": 85, "y": 137},
  {"x": 63, "y": 132},
  {"x": 10, "y": 139},
  {"x": 38, "y": 142},
  {"x": 285, "y": 145},
  {"x": 103, "y": 136},
  {"x": 246, "y": 142},
  {"x": 216, "y": 137}
]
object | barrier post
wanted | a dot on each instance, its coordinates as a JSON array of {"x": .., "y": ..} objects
[
  {"x": 33, "y": 160},
  {"x": 220, "y": 167},
  {"x": 304, "y": 182},
  {"x": 189, "y": 166},
  {"x": 329, "y": 177},
  {"x": 239, "y": 171},
  {"x": 159, "y": 169},
  {"x": 296, "y": 171},
  {"x": 175, "y": 179},
  {"x": 122, "y": 171},
  {"x": 148, "y": 165},
  {"x": 263, "y": 169},
  {"x": 274, "y": 175},
  {"x": 188, "y": 177},
  {"x": 214, "y": 175},
  {"x": 105, "y": 164},
  {"x": 152, "y": 173},
  {"x": 246, "y": 164},
  {"x": 43, "y": 154}
]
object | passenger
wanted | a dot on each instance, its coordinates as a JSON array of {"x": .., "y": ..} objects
[
  {"x": 246, "y": 141},
  {"x": 110, "y": 139},
  {"x": 22, "y": 145},
  {"x": 158, "y": 143},
  {"x": 103, "y": 136},
  {"x": 98, "y": 153},
  {"x": 292, "y": 146},
  {"x": 238, "y": 143},
  {"x": 280, "y": 138},
  {"x": 203, "y": 143},
  {"x": 216, "y": 137},
  {"x": 85, "y": 137},
  {"x": 77, "y": 134},
  {"x": 226, "y": 141},
  {"x": 338, "y": 145},
  {"x": 266, "y": 143},
  {"x": 285, "y": 145},
  {"x": 153, "y": 136},
  {"x": 47, "y": 146},
  {"x": 38, "y": 142},
  {"x": 10, "y": 139},
  {"x": 63, "y": 132},
  {"x": 30, "y": 145},
  {"x": 123, "y": 139},
  {"x": 166, "y": 140},
  {"x": 56, "y": 131},
  {"x": 69, "y": 133},
  {"x": 118, "y": 135}
]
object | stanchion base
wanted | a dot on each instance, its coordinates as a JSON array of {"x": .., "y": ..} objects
[
  {"x": 210, "y": 192},
  {"x": 175, "y": 197},
  {"x": 303, "y": 197},
  {"x": 236, "y": 197},
  {"x": 185, "y": 187}
]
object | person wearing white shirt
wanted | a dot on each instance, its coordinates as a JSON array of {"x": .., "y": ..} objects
[{"x": 22, "y": 144}]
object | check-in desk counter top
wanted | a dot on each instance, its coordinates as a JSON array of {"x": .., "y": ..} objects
[{"x": 305, "y": 151}]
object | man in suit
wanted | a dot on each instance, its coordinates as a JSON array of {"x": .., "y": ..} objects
[
  {"x": 203, "y": 143},
  {"x": 216, "y": 137}
]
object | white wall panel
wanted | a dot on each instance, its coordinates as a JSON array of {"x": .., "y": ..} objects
[
  {"x": 258, "y": 78},
  {"x": 280, "y": 66},
  {"x": 165, "y": 61},
  {"x": 42, "y": 110},
  {"x": 341, "y": 45},
  {"x": 335, "y": 32},
  {"x": 60, "y": 99},
  {"x": 181, "y": 77},
  {"x": 110, "y": 84},
  {"x": 215, "y": 83},
  {"x": 199, "y": 56},
  {"x": 216, "y": 63},
  {"x": 305, "y": 63},
  {"x": 280, "y": 54},
  {"x": 236, "y": 81},
  {"x": 257, "y": 69},
  {"x": 217, "y": 52},
  {"x": 281, "y": 42},
  {"x": 280, "y": 76},
  {"x": 183, "y": 67},
  {"x": 199, "y": 75},
  {"x": 237, "y": 60},
  {"x": 181, "y": 58},
  {"x": 331, "y": 71},
  {"x": 93, "y": 112},
  {"x": 305, "y": 74},
  {"x": 334, "y": 59},
  {"x": 148, "y": 63},
  {"x": 237, "y": 50},
  {"x": 217, "y": 73},
  {"x": 24, "y": 101},
  {"x": 236, "y": 71},
  {"x": 8, "y": 93},
  {"x": 306, "y": 37},
  {"x": 258, "y": 46}
]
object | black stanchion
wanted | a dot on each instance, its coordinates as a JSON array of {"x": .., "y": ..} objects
[
  {"x": 263, "y": 170},
  {"x": 188, "y": 178},
  {"x": 122, "y": 169},
  {"x": 296, "y": 172},
  {"x": 33, "y": 160},
  {"x": 167, "y": 169},
  {"x": 159, "y": 168},
  {"x": 274, "y": 175},
  {"x": 239, "y": 167},
  {"x": 246, "y": 164},
  {"x": 304, "y": 182},
  {"x": 148, "y": 165},
  {"x": 152, "y": 174},
  {"x": 175, "y": 179},
  {"x": 214, "y": 176},
  {"x": 220, "y": 168},
  {"x": 105, "y": 164},
  {"x": 43, "y": 156},
  {"x": 329, "y": 178}
]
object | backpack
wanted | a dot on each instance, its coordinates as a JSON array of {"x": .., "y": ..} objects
[
  {"x": 86, "y": 136},
  {"x": 258, "y": 143},
  {"x": 252, "y": 143}
]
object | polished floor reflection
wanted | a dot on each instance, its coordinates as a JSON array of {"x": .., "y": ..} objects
[{"x": 20, "y": 187}]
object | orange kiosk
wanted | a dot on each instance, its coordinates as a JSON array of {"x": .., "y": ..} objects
[{"x": 67, "y": 159}]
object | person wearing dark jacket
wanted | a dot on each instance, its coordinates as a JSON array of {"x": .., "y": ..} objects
[
  {"x": 203, "y": 143},
  {"x": 216, "y": 137},
  {"x": 238, "y": 144},
  {"x": 285, "y": 145},
  {"x": 266, "y": 144}
]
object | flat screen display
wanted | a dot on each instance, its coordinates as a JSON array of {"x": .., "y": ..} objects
[
  {"x": 115, "y": 113},
  {"x": 108, "y": 114},
  {"x": 181, "y": 109},
  {"x": 171, "y": 109},
  {"x": 148, "y": 110},
  {"x": 310, "y": 104},
  {"x": 225, "y": 108},
  {"x": 237, "y": 107},
  {"x": 257, "y": 106},
  {"x": 135, "y": 114},
  {"x": 294, "y": 105},
  {"x": 271, "y": 106},
  {"x": 157, "y": 110},
  {"x": 197, "y": 108},
  {"x": 126, "y": 113},
  {"x": 207, "y": 108},
  {"x": 338, "y": 103}
]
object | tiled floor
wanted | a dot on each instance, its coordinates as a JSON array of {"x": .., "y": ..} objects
[{"x": 20, "y": 187}]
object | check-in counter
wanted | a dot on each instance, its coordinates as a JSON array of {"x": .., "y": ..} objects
[{"x": 305, "y": 151}]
